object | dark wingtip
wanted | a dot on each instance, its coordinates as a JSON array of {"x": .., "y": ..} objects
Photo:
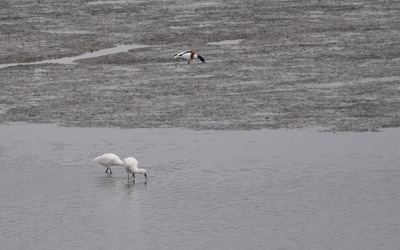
[{"x": 201, "y": 58}]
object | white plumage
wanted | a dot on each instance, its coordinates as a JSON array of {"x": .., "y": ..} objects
[
  {"x": 131, "y": 166},
  {"x": 188, "y": 55},
  {"x": 108, "y": 160}
]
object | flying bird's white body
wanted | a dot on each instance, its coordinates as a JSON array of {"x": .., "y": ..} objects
[
  {"x": 188, "y": 55},
  {"x": 108, "y": 160},
  {"x": 131, "y": 166}
]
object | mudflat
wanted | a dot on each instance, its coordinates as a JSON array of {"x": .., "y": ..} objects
[{"x": 269, "y": 64}]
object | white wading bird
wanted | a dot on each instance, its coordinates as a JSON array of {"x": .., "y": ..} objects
[
  {"x": 131, "y": 166},
  {"x": 108, "y": 160},
  {"x": 188, "y": 55}
]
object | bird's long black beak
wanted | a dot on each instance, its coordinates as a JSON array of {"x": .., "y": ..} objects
[
  {"x": 145, "y": 177},
  {"x": 201, "y": 58}
]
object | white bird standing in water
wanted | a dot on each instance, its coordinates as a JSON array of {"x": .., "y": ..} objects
[
  {"x": 108, "y": 160},
  {"x": 188, "y": 55},
  {"x": 131, "y": 166}
]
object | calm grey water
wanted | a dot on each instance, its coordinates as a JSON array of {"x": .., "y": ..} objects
[{"x": 207, "y": 190}]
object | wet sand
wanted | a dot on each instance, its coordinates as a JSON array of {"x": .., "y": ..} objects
[{"x": 280, "y": 64}]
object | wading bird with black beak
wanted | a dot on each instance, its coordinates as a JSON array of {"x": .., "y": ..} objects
[
  {"x": 188, "y": 55},
  {"x": 131, "y": 166},
  {"x": 108, "y": 160}
]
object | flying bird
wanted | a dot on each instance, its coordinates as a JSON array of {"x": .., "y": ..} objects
[
  {"x": 188, "y": 55},
  {"x": 131, "y": 166},
  {"x": 108, "y": 160}
]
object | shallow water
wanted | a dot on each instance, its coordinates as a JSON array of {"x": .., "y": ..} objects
[
  {"x": 70, "y": 60},
  {"x": 226, "y": 42},
  {"x": 266, "y": 189}
]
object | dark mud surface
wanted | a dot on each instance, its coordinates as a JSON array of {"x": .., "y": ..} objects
[{"x": 269, "y": 64}]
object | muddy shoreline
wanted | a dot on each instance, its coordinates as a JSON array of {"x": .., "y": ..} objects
[{"x": 291, "y": 64}]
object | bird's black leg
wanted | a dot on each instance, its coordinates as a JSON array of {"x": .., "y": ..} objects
[{"x": 106, "y": 170}]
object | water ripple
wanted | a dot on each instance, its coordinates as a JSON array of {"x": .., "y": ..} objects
[{"x": 210, "y": 187}]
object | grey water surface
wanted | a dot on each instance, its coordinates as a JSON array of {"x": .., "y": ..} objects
[{"x": 264, "y": 189}]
